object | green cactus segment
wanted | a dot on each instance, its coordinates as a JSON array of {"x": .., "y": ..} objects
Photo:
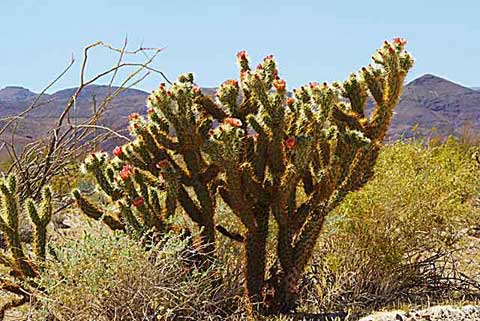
[
  {"x": 40, "y": 222},
  {"x": 9, "y": 225},
  {"x": 22, "y": 267}
]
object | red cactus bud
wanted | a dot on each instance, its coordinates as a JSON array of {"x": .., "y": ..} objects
[
  {"x": 126, "y": 172},
  {"x": 118, "y": 151},
  {"x": 313, "y": 84},
  {"x": 234, "y": 122},
  {"x": 232, "y": 82},
  {"x": 269, "y": 57},
  {"x": 210, "y": 132},
  {"x": 164, "y": 163},
  {"x": 133, "y": 116},
  {"x": 400, "y": 41},
  {"x": 139, "y": 201},
  {"x": 279, "y": 84},
  {"x": 242, "y": 55},
  {"x": 150, "y": 110},
  {"x": 290, "y": 143},
  {"x": 391, "y": 50},
  {"x": 196, "y": 89},
  {"x": 169, "y": 93},
  {"x": 290, "y": 101}
]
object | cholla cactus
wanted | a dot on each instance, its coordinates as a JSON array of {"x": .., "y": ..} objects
[
  {"x": 164, "y": 166},
  {"x": 296, "y": 158},
  {"x": 22, "y": 266}
]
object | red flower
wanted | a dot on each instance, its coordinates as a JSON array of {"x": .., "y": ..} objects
[
  {"x": 126, "y": 172},
  {"x": 291, "y": 142},
  {"x": 232, "y": 82},
  {"x": 118, "y": 151},
  {"x": 150, "y": 110},
  {"x": 400, "y": 41},
  {"x": 133, "y": 116},
  {"x": 280, "y": 84},
  {"x": 290, "y": 101},
  {"x": 139, "y": 201},
  {"x": 242, "y": 55},
  {"x": 163, "y": 164},
  {"x": 269, "y": 57},
  {"x": 234, "y": 122}
]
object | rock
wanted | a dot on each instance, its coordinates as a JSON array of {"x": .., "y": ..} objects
[{"x": 436, "y": 313}]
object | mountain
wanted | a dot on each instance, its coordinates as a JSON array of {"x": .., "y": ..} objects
[
  {"x": 476, "y": 88},
  {"x": 433, "y": 102},
  {"x": 427, "y": 102}
]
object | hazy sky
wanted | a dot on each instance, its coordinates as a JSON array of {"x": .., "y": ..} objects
[{"x": 312, "y": 40}]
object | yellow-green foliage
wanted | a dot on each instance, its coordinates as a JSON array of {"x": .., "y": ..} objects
[{"x": 421, "y": 203}]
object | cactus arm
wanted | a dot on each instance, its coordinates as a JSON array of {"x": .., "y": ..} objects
[
  {"x": 208, "y": 106},
  {"x": 10, "y": 209},
  {"x": 231, "y": 235}
]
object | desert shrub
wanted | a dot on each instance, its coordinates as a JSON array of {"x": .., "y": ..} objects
[
  {"x": 111, "y": 277},
  {"x": 406, "y": 232}
]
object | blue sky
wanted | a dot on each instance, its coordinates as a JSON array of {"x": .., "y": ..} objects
[{"x": 312, "y": 40}]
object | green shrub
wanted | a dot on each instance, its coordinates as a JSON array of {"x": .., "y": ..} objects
[
  {"x": 403, "y": 232},
  {"x": 111, "y": 277}
]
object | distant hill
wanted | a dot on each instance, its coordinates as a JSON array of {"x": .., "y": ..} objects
[
  {"x": 427, "y": 102},
  {"x": 434, "y": 102}
]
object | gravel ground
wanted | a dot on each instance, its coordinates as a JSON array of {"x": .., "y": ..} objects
[{"x": 437, "y": 313}]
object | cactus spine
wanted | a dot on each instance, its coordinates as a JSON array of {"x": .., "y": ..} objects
[{"x": 22, "y": 266}]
